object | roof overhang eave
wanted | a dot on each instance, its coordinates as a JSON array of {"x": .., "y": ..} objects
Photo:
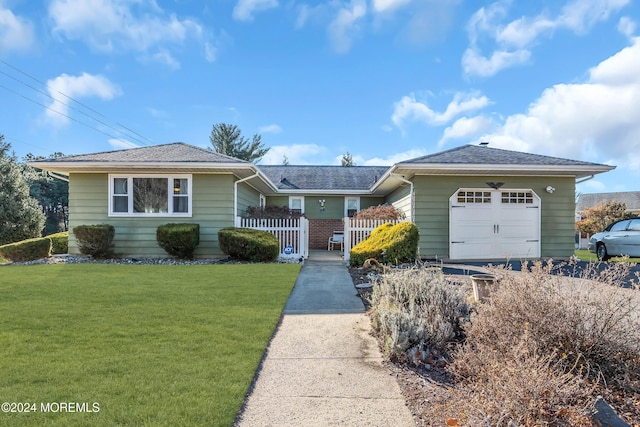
[
  {"x": 101, "y": 167},
  {"x": 525, "y": 170}
]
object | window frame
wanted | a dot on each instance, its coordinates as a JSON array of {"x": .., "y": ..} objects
[
  {"x": 346, "y": 205},
  {"x": 291, "y": 199},
  {"x": 170, "y": 199}
]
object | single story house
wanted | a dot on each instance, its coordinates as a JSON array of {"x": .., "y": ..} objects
[
  {"x": 470, "y": 202},
  {"x": 630, "y": 198}
]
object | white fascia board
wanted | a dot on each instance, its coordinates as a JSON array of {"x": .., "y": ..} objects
[
  {"x": 492, "y": 168},
  {"x": 388, "y": 174}
]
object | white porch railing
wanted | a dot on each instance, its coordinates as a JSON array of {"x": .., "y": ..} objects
[
  {"x": 356, "y": 230},
  {"x": 293, "y": 234}
]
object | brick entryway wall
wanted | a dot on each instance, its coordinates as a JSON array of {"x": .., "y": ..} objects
[{"x": 320, "y": 230}]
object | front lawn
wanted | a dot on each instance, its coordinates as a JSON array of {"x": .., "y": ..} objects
[
  {"x": 585, "y": 255},
  {"x": 145, "y": 345}
]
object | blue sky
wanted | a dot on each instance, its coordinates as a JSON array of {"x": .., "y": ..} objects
[{"x": 385, "y": 80}]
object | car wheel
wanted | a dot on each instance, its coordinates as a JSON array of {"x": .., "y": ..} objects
[{"x": 601, "y": 252}]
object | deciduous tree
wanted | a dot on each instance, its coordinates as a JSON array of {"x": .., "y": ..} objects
[{"x": 596, "y": 218}]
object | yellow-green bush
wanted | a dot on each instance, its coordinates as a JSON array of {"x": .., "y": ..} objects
[
  {"x": 59, "y": 242},
  {"x": 399, "y": 243},
  {"x": 26, "y": 250}
]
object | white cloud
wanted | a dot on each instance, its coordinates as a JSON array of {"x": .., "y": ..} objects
[
  {"x": 410, "y": 109},
  {"x": 381, "y": 6},
  {"x": 627, "y": 26},
  {"x": 466, "y": 128},
  {"x": 121, "y": 144},
  {"x": 245, "y": 9},
  {"x": 296, "y": 154},
  {"x": 272, "y": 128},
  {"x": 64, "y": 87},
  {"x": 596, "y": 119},
  {"x": 392, "y": 159},
  {"x": 344, "y": 26},
  {"x": 16, "y": 33},
  {"x": 514, "y": 39},
  {"x": 121, "y": 25},
  {"x": 473, "y": 63},
  {"x": 163, "y": 56}
]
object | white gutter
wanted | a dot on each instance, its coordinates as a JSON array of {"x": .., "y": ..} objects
[
  {"x": 585, "y": 179},
  {"x": 235, "y": 194},
  {"x": 401, "y": 178},
  {"x": 55, "y": 175}
]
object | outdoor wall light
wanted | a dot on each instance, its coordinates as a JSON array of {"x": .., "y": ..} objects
[
  {"x": 550, "y": 189},
  {"x": 321, "y": 201}
]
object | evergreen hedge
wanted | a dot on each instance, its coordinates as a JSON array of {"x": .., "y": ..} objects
[
  {"x": 59, "y": 242},
  {"x": 95, "y": 240},
  {"x": 27, "y": 250},
  {"x": 390, "y": 243},
  {"x": 247, "y": 244},
  {"x": 179, "y": 240}
]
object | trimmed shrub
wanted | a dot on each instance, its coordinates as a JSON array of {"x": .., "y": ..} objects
[
  {"x": 95, "y": 240},
  {"x": 59, "y": 242},
  {"x": 399, "y": 243},
  {"x": 179, "y": 240},
  {"x": 247, "y": 244},
  {"x": 26, "y": 250}
]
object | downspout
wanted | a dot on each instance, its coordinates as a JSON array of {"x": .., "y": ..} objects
[
  {"x": 235, "y": 195},
  {"x": 401, "y": 178}
]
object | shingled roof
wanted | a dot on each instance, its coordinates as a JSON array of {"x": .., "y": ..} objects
[
  {"x": 482, "y": 155},
  {"x": 629, "y": 198},
  {"x": 177, "y": 152},
  {"x": 331, "y": 178}
]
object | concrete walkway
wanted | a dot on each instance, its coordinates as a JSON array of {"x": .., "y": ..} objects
[{"x": 322, "y": 368}]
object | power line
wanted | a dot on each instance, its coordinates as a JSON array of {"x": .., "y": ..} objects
[
  {"x": 129, "y": 134},
  {"x": 58, "y": 112}
]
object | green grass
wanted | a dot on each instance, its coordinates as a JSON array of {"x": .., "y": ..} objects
[
  {"x": 152, "y": 345},
  {"x": 585, "y": 255}
]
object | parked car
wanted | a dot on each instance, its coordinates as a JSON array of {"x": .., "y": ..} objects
[{"x": 618, "y": 239}]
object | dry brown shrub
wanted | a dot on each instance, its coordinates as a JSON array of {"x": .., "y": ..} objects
[
  {"x": 416, "y": 314},
  {"x": 540, "y": 334},
  {"x": 380, "y": 212}
]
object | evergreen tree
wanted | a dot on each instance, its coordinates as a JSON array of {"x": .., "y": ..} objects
[
  {"x": 51, "y": 193},
  {"x": 20, "y": 216},
  {"x": 227, "y": 139},
  {"x": 347, "y": 159}
]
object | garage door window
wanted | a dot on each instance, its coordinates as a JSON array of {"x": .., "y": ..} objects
[
  {"x": 517, "y": 197},
  {"x": 474, "y": 197}
]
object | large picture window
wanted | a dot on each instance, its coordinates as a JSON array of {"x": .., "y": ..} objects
[{"x": 149, "y": 195}]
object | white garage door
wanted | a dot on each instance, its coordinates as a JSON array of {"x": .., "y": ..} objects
[{"x": 487, "y": 224}]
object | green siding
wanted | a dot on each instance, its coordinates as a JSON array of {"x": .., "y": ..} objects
[
  {"x": 432, "y": 195},
  {"x": 333, "y": 205},
  {"x": 367, "y": 202},
  {"x": 247, "y": 196},
  {"x": 212, "y": 208},
  {"x": 400, "y": 198}
]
